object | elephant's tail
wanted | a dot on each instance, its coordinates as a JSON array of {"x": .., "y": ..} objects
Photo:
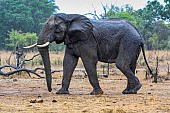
[{"x": 143, "y": 51}]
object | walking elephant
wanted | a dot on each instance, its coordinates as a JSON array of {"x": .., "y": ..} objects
[{"x": 108, "y": 40}]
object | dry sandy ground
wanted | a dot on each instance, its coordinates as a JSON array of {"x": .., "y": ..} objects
[{"x": 31, "y": 96}]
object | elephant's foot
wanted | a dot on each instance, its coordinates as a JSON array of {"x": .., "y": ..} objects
[
  {"x": 127, "y": 88},
  {"x": 133, "y": 89},
  {"x": 96, "y": 92},
  {"x": 62, "y": 91}
]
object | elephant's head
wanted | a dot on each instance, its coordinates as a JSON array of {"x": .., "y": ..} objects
[
  {"x": 53, "y": 30},
  {"x": 59, "y": 28}
]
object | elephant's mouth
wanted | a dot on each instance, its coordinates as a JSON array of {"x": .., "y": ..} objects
[{"x": 59, "y": 36}]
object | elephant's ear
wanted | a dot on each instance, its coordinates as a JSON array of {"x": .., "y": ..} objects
[{"x": 79, "y": 29}]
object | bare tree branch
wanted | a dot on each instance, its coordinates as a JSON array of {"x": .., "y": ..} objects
[
  {"x": 32, "y": 57},
  {"x": 95, "y": 15},
  {"x": 10, "y": 66},
  {"x": 19, "y": 70},
  {"x": 23, "y": 62}
]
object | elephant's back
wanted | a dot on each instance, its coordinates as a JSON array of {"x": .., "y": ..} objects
[
  {"x": 115, "y": 29},
  {"x": 108, "y": 23},
  {"x": 108, "y": 28}
]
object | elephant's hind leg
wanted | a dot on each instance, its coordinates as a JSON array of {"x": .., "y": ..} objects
[{"x": 126, "y": 63}]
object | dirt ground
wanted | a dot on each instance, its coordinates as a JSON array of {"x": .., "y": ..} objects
[{"x": 27, "y": 95}]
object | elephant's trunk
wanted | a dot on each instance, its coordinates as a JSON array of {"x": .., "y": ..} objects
[
  {"x": 44, "y": 52},
  {"x": 46, "y": 60}
]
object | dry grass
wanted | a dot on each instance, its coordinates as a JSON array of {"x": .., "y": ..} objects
[
  {"x": 163, "y": 61},
  {"x": 57, "y": 59}
]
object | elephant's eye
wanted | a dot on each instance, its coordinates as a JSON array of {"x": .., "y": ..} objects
[
  {"x": 60, "y": 27},
  {"x": 57, "y": 26}
]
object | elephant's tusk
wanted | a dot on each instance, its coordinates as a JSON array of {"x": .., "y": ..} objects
[
  {"x": 43, "y": 45},
  {"x": 31, "y": 46}
]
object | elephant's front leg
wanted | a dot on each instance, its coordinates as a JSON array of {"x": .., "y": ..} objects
[
  {"x": 90, "y": 60},
  {"x": 69, "y": 64}
]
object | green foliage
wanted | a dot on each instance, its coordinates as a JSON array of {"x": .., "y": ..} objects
[
  {"x": 25, "y": 39},
  {"x": 19, "y": 38},
  {"x": 57, "y": 62},
  {"x": 124, "y": 12},
  {"x": 23, "y": 15},
  {"x": 57, "y": 47},
  {"x": 154, "y": 40},
  {"x": 127, "y": 16},
  {"x": 161, "y": 36},
  {"x": 111, "y": 14},
  {"x": 149, "y": 21},
  {"x": 166, "y": 11},
  {"x": 151, "y": 28},
  {"x": 40, "y": 61}
]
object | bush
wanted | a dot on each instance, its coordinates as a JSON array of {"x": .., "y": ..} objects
[{"x": 18, "y": 38}]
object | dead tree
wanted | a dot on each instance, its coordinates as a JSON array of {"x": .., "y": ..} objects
[
  {"x": 107, "y": 68},
  {"x": 0, "y": 60},
  {"x": 168, "y": 69},
  {"x": 19, "y": 63},
  {"x": 18, "y": 68},
  {"x": 155, "y": 75}
]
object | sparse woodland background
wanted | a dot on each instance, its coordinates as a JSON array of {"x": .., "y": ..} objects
[{"x": 21, "y": 22}]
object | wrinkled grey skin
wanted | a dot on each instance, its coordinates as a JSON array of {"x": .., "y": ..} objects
[{"x": 111, "y": 41}]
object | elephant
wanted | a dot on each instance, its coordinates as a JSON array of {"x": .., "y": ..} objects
[{"x": 113, "y": 40}]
